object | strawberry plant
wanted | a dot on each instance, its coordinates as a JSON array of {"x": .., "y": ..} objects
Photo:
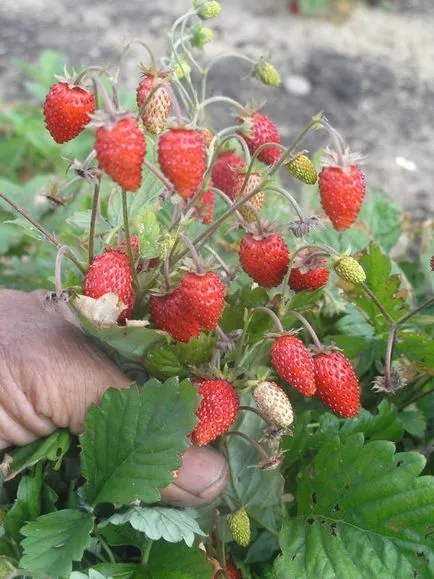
[{"x": 293, "y": 337}]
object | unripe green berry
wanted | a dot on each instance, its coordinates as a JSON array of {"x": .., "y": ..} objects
[
  {"x": 209, "y": 9},
  {"x": 350, "y": 270},
  {"x": 239, "y": 526},
  {"x": 266, "y": 73},
  {"x": 201, "y": 36},
  {"x": 302, "y": 168},
  {"x": 181, "y": 68}
]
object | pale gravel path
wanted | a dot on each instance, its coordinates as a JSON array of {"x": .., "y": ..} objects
[{"x": 374, "y": 75}]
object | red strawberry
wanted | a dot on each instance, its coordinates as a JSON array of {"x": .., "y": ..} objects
[
  {"x": 67, "y": 110},
  {"x": 204, "y": 209},
  {"x": 120, "y": 151},
  {"x": 294, "y": 364},
  {"x": 224, "y": 171},
  {"x": 231, "y": 572},
  {"x": 182, "y": 158},
  {"x": 136, "y": 249},
  {"x": 265, "y": 259},
  {"x": 169, "y": 313},
  {"x": 204, "y": 297},
  {"x": 337, "y": 385},
  {"x": 157, "y": 110},
  {"x": 311, "y": 280},
  {"x": 342, "y": 191},
  {"x": 262, "y": 130},
  {"x": 217, "y": 410},
  {"x": 110, "y": 272}
]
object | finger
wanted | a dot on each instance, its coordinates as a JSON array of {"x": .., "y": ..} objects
[{"x": 201, "y": 479}]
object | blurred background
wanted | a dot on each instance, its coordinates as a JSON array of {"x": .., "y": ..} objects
[{"x": 368, "y": 64}]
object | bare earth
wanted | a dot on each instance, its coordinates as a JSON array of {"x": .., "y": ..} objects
[{"x": 372, "y": 75}]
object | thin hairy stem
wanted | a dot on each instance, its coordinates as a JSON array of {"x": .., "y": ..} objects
[
  {"x": 93, "y": 216},
  {"x": 272, "y": 315},
  {"x": 128, "y": 238}
]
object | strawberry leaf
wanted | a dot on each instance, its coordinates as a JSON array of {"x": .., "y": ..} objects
[
  {"x": 119, "y": 571},
  {"x": 145, "y": 431},
  {"x": 54, "y": 541},
  {"x": 165, "y": 523},
  {"x": 363, "y": 511},
  {"x": 27, "y": 506},
  {"x": 148, "y": 231},
  {"x": 176, "y": 560}
]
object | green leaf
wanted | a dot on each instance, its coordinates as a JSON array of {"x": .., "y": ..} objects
[
  {"x": 145, "y": 431},
  {"x": 383, "y": 425},
  {"x": 53, "y": 448},
  {"x": 116, "y": 535},
  {"x": 385, "y": 286},
  {"x": 26, "y": 227},
  {"x": 81, "y": 220},
  {"x": 176, "y": 561},
  {"x": 130, "y": 341},
  {"x": 172, "y": 525},
  {"x": 54, "y": 541},
  {"x": 305, "y": 300},
  {"x": 92, "y": 574},
  {"x": 27, "y": 506},
  {"x": 413, "y": 422},
  {"x": 148, "y": 232},
  {"x": 383, "y": 218},
  {"x": 258, "y": 490},
  {"x": 416, "y": 347},
  {"x": 121, "y": 570},
  {"x": 363, "y": 511}
]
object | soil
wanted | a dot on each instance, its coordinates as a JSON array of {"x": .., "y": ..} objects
[{"x": 373, "y": 74}]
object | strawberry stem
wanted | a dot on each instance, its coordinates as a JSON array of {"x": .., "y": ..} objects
[
  {"x": 337, "y": 140},
  {"x": 108, "y": 103},
  {"x": 258, "y": 413},
  {"x": 94, "y": 214},
  {"x": 128, "y": 238},
  {"x": 415, "y": 311},
  {"x": 307, "y": 326},
  {"x": 44, "y": 231},
  {"x": 389, "y": 355},
  {"x": 144, "y": 45},
  {"x": 58, "y": 270},
  {"x": 289, "y": 198},
  {"x": 176, "y": 107},
  {"x": 193, "y": 252},
  {"x": 159, "y": 175},
  {"x": 224, "y": 265},
  {"x": 379, "y": 305},
  {"x": 265, "y": 457},
  {"x": 272, "y": 315}
]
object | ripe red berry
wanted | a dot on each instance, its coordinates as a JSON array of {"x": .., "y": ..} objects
[
  {"x": 293, "y": 362},
  {"x": 182, "y": 158},
  {"x": 110, "y": 272},
  {"x": 311, "y": 280},
  {"x": 337, "y": 385},
  {"x": 217, "y": 410},
  {"x": 224, "y": 171},
  {"x": 156, "y": 111},
  {"x": 169, "y": 314},
  {"x": 265, "y": 259},
  {"x": 231, "y": 572},
  {"x": 204, "y": 208},
  {"x": 67, "y": 110},
  {"x": 262, "y": 130},
  {"x": 342, "y": 191},
  {"x": 204, "y": 297},
  {"x": 120, "y": 151}
]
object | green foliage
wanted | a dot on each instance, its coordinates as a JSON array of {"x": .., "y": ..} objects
[{"x": 137, "y": 426}]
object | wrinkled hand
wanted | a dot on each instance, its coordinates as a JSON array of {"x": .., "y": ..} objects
[{"x": 50, "y": 373}]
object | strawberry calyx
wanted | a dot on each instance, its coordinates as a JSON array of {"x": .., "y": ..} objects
[
  {"x": 76, "y": 80},
  {"x": 108, "y": 120}
]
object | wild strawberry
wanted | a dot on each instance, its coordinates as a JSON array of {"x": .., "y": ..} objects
[
  {"x": 204, "y": 208},
  {"x": 267, "y": 73},
  {"x": 217, "y": 410},
  {"x": 342, "y": 190},
  {"x": 230, "y": 570},
  {"x": 67, "y": 110},
  {"x": 169, "y": 313},
  {"x": 264, "y": 259},
  {"x": 156, "y": 112},
  {"x": 120, "y": 151},
  {"x": 350, "y": 270},
  {"x": 110, "y": 272},
  {"x": 294, "y": 364},
  {"x": 257, "y": 201},
  {"x": 182, "y": 158},
  {"x": 204, "y": 297},
  {"x": 224, "y": 171},
  {"x": 262, "y": 130},
  {"x": 311, "y": 280},
  {"x": 207, "y": 136},
  {"x": 337, "y": 385},
  {"x": 302, "y": 168},
  {"x": 239, "y": 526},
  {"x": 273, "y": 402}
]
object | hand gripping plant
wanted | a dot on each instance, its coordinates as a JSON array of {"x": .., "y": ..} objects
[{"x": 184, "y": 282}]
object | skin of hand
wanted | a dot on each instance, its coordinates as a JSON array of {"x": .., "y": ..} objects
[{"x": 50, "y": 373}]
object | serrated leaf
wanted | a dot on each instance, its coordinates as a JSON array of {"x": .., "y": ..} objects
[
  {"x": 255, "y": 489},
  {"x": 385, "y": 286},
  {"x": 305, "y": 300},
  {"x": 26, "y": 227},
  {"x": 81, "y": 220},
  {"x": 54, "y": 541},
  {"x": 413, "y": 422},
  {"x": 122, "y": 570},
  {"x": 27, "y": 506},
  {"x": 52, "y": 448},
  {"x": 363, "y": 511},
  {"x": 417, "y": 347},
  {"x": 116, "y": 535},
  {"x": 148, "y": 232},
  {"x": 145, "y": 431},
  {"x": 156, "y": 523},
  {"x": 383, "y": 218},
  {"x": 91, "y": 574},
  {"x": 176, "y": 561}
]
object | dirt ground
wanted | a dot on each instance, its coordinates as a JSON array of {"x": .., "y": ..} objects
[{"x": 373, "y": 75}]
